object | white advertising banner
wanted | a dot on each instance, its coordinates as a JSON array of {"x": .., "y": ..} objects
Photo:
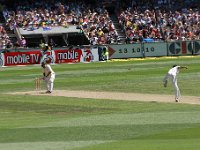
[
  {"x": 125, "y": 51},
  {"x": 138, "y": 50},
  {"x": 193, "y": 47},
  {"x": 1, "y": 59},
  {"x": 155, "y": 49},
  {"x": 90, "y": 54},
  {"x": 177, "y": 48}
]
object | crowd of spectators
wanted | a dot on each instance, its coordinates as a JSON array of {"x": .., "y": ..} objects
[
  {"x": 139, "y": 19},
  {"x": 46, "y": 14},
  {"x": 5, "y": 41},
  {"x": 93, "y": 20},
  {"x": 99, "y": 28},
  {"x": 160, "y": 23}
]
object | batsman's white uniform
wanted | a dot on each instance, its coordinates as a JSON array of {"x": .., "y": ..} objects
[
  {"x": 49, "y": 77},
  {"x": 172, "y": 73}
]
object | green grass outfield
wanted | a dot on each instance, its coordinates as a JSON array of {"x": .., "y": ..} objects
[{"x": 61, "y": 123}]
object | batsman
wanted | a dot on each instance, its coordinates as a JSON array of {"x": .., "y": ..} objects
[{"x": 48, "y": 76}]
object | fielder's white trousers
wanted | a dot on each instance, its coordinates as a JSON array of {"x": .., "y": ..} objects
[
  {"x": 174, "y": 82},
  {"x": 49, "y": 82}
]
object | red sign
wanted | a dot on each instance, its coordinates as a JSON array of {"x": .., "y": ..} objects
[
  {"x": 56, "y": 56},
  {"x": 22, "y": 58},
  {"x": 68, "y": 56}
]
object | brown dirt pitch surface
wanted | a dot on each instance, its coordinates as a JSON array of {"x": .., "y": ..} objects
[{"x": 116, "y": 96}]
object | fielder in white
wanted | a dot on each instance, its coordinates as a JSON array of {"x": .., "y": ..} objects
[
  {"x": 48, "y": 76},
  {"x": 172, "y": 73}
]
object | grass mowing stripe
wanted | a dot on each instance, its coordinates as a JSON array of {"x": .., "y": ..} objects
[
  {"x": 60, "y": 145},
  {"x": 108, "y": 105},
  {"x": 170, "y": 144},
  {"x": 112, "y": 132},
  {"x": 45, "y": 108},
  {"x": 129, "y": 119},
  {"x": 22, "y": 119}
]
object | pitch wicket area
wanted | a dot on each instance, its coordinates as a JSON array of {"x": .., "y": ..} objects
[{"x": 37, "y": 84}]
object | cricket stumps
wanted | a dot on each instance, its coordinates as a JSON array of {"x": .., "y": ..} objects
[{"x": 37, "y": 84}]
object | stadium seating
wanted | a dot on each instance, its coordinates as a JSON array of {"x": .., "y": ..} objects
[{"x": 94, "y": 22}]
